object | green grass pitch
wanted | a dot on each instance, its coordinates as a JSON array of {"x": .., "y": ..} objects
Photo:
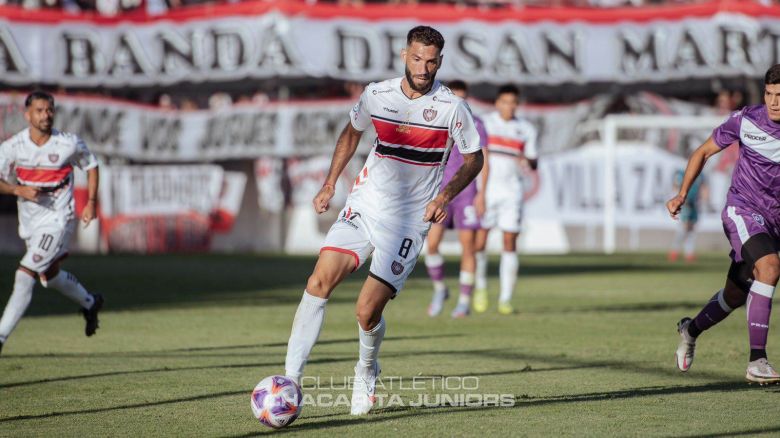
[{"x": 184, "y": 339}]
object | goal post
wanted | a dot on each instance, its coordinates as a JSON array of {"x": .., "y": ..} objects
[{"x": 611, "y": 128}]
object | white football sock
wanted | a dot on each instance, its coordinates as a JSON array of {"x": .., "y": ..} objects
[
  {"x": 17, "y": 304},
  {"x": 305, "y": 330},
  {"x": 466, "y": 282},
  {"x": 67, "y": 284},
  {"x": 369, "y": 344},
  {"x": 508, "y": 275},
  {"x": 481, "y": 272}
]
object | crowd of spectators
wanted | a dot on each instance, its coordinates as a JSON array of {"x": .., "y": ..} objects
[{"x": 157, "y": 7}]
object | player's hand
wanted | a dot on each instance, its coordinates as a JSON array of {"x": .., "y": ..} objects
[
  {"x": 88, "y": 214},
  {"x": 322, "y": 200},
  {"x": 26, "y": 192},
  {"x": 435, "y": 212},
  {"x": 479, "y": 203},
  {"x": 674, "y": 205}
]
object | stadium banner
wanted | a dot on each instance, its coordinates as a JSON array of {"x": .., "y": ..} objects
[
  {"x": 247, "y": 131},
  {"x": 155, "y": 209},
  {"x": 569, "y": 187},
  {"x": 290, "y": 39}
]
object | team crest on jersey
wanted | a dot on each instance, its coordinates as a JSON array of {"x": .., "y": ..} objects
[
  {"x": 758, "y": 218},
  {"x": 37, "y": 258},
  {"x": 429, "y": 114},
  {"x": 54, "y": 157},
  {"x": 397, "y": 268}
]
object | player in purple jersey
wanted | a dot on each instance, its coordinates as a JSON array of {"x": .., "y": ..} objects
[
  {"x": 463, "y": 215},
  {"x": 750, "y": 220}
]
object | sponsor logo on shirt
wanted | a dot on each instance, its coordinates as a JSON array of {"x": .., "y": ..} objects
[
  {"x": 437, "y": 99},
  {"x": 390, "y": 110},
  {"x": 750, "y": 136},
  {"x": 387, "y": 90}
]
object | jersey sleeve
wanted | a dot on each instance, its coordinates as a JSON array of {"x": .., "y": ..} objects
[
  {"x": 530, "y": 150},
  {"x": 360, "y": 115},
  {"x": 483, "y": 136},
  {"x": 83, "y": 158},
  {"x": 6, "y": 161},
  {"x": 463, "y": 130},
  {"x": 728, "y": 132}
]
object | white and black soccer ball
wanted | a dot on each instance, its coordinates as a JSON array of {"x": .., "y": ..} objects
[{"x": 277, "y": 401}]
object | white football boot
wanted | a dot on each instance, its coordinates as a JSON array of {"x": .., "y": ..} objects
[
  {"x": 684, "y": 353},
  {"x": 760, "y": 371},
  {"x": 363, "y": 389},
  {"x": 437, "y": 303}
]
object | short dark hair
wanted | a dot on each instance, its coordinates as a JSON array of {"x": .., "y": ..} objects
[
  {"x": 426, "y": 35},
  {"x": 508, "y": 89},
  {"x": 772, "y": 75},
  {"x": 458, "y": 85},
  {"x": 38, "y": 95}
]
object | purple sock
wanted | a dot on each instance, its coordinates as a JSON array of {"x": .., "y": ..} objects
[
  {"x": 466, "y": 289},
  {"x": 715, "y": 311},
  {"x": 435, "y": 265},
  {"x": 759, "y": 307}
]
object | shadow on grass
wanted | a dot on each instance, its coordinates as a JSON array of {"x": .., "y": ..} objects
[
  {"x": 388, "y": 414},
  {"x": 521, "y": 401},
  {"x": 736, "y": 433},
  {"x": 178, "y": 281},
  {"x": 625, "y": 308},
  {"x": 177, "y": 354}
]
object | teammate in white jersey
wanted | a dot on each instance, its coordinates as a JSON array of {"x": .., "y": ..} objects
[
  {"x": 42, "y": 159},
  {"x": 512, "y": 152},
  {"x": 392, "y": 204}
]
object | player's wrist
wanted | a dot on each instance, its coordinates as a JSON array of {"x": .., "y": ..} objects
[{"x": 330, "y": 186}]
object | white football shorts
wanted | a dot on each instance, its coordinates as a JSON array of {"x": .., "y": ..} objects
[
  {"x": 47, "y": 244},
  {"x": 503, "y": 211},
  {"x": 395, "y": 247}
]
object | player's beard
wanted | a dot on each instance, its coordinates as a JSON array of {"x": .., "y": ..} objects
[{"x": 410, "y": 80}]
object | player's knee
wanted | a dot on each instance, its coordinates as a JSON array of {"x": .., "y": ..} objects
[
  {"x": 734, "y": 296},
  {"x": 49, "y": 274},
  {"x": 510, "y": 243},
  {"x": 318, "y": 286},
  {"x": 767, "y": 269},
  {"x": 366, "y": 317}
]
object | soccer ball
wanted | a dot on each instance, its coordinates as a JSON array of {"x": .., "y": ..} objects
[{"x": 276, "y": 401}]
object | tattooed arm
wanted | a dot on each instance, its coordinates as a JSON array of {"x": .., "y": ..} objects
[{"x": 472, "y": 165}]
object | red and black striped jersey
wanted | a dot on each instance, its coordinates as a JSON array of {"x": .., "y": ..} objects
[
  {"x": 414, "y": 136},
  {"x": 48, "y": 167},
  {"x": 508, "y": 140}
]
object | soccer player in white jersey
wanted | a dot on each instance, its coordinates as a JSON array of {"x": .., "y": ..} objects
[
  {"x": 392, "y": 204},
  {"x": 42, "y": 159},
  {"x": 511, "y": 152}
]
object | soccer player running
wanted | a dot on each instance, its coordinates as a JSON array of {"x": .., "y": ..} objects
[
  {"x": 750, "y": 220},
  {"x": 512, "y": 149},
  {"x": 392, "y": 203},
  {"x": 42, "y": 159},
  {"x": 462, "y": 214}
]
